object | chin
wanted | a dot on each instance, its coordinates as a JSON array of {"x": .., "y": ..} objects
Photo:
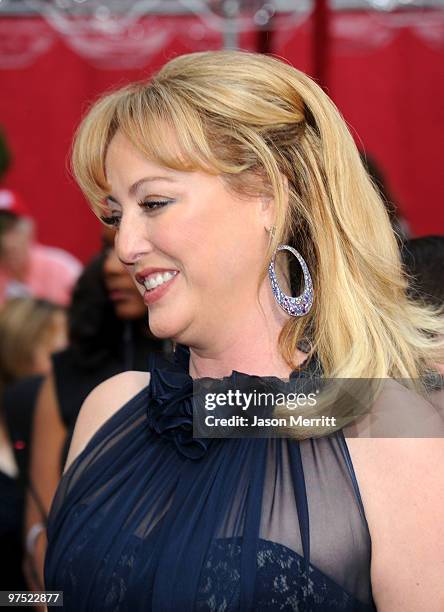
[{"x": 166, "y": 328}]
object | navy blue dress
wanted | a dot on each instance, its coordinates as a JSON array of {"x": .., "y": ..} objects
[{"x": 148, "y": 518}]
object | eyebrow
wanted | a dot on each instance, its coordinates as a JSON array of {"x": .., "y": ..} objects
[{"x": 148, "y": 179}]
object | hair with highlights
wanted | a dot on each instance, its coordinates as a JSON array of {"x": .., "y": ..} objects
[
  {"x": 267, "y": 128},
  {"x": 25, "y": 324}
]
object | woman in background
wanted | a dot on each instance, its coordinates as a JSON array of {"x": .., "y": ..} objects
[
  {"x": 30, "y": 330},
  {"x": 109, "y": 334}
]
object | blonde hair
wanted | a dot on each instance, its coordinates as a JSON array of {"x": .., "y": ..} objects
[
  {"x": 265, "y": 126},
  {"x": 25, "y": 324}
]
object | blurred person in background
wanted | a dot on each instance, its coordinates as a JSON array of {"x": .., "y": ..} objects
[
  {"x": 108, "y": 334},
  {"x": 399, "y": 223},
  {"x": 30, "y": 330},
  {"x": 423, "y": 260},
  {"x": 27, "y": 267}
]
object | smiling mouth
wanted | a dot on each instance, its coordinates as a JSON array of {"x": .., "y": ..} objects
[{"x": 157, "y": 279}]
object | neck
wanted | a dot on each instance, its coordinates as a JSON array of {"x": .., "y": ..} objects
[{"x": 247, "y": 343}]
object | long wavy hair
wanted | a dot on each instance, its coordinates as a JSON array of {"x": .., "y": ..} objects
[{"x": 268, "y": 129}]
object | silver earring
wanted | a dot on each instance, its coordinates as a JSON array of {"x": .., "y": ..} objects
[{"x": 294, "y": 306}]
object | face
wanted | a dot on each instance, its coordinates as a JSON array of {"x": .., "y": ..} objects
[
  {"x": 55, "y": 340},
  {"x": 194, "y": 249},
  {"x": 127, "y": 301},
  {"x": 15, "y": 248}
]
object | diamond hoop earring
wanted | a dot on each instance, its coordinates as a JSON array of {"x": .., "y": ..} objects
[{"x": 294, "y": 306}]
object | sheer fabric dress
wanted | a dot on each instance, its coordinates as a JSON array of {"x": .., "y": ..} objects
[{"x": 148, "y": 518}]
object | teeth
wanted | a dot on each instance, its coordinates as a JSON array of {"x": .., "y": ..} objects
[{"x": 158, "y": 279}]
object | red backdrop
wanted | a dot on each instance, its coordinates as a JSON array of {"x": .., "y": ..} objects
[{"x": 384, "y": 78}]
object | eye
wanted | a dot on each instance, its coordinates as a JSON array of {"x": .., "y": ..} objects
[
  {"x": 149, "y": 205},
  {"x": 113, "y": 221},
  {"x": 154, "y": 204}
]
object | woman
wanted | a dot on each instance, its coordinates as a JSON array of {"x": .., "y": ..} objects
[
  {"x": 108, "y": 334},
  {"x": 30, "y": 330},
  {"x": 205, "y": 171}
]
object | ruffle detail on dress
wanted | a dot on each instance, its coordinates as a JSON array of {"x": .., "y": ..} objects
[
  {"x": 173, "y": 392},
  {"x": 170, "y": 411}
]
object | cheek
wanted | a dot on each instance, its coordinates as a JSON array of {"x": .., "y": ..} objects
[
  {"x": 229, "y": 252},
  {"x": 213, "y": 245},
  {"x": 42, "y": 361}
]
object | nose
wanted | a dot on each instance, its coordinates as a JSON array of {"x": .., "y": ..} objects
[{"x": 132, "y": 240}]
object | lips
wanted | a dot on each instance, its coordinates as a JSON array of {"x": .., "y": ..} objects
[
  {"x": 150, "y": 278},
  {"x": 156, "y": 283},
  {"x": 120, "y": 290},
  {"x": 119, "y": 293}
]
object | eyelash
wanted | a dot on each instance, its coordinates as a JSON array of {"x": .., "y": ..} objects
[{"x": 149, "y": 205}]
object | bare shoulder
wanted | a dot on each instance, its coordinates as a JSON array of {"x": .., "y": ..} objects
[
  {"x": 100, "y": 405},
  {"x": 399, "y": 412},
  {"x": 401, "y": 482}
]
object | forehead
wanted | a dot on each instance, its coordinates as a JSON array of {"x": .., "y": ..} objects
[
  {"x": 122, "y": 155},
  {"x": 128, "y": 169}
]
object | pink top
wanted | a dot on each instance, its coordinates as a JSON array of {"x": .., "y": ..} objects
[{"x": 52, "y": 275}]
